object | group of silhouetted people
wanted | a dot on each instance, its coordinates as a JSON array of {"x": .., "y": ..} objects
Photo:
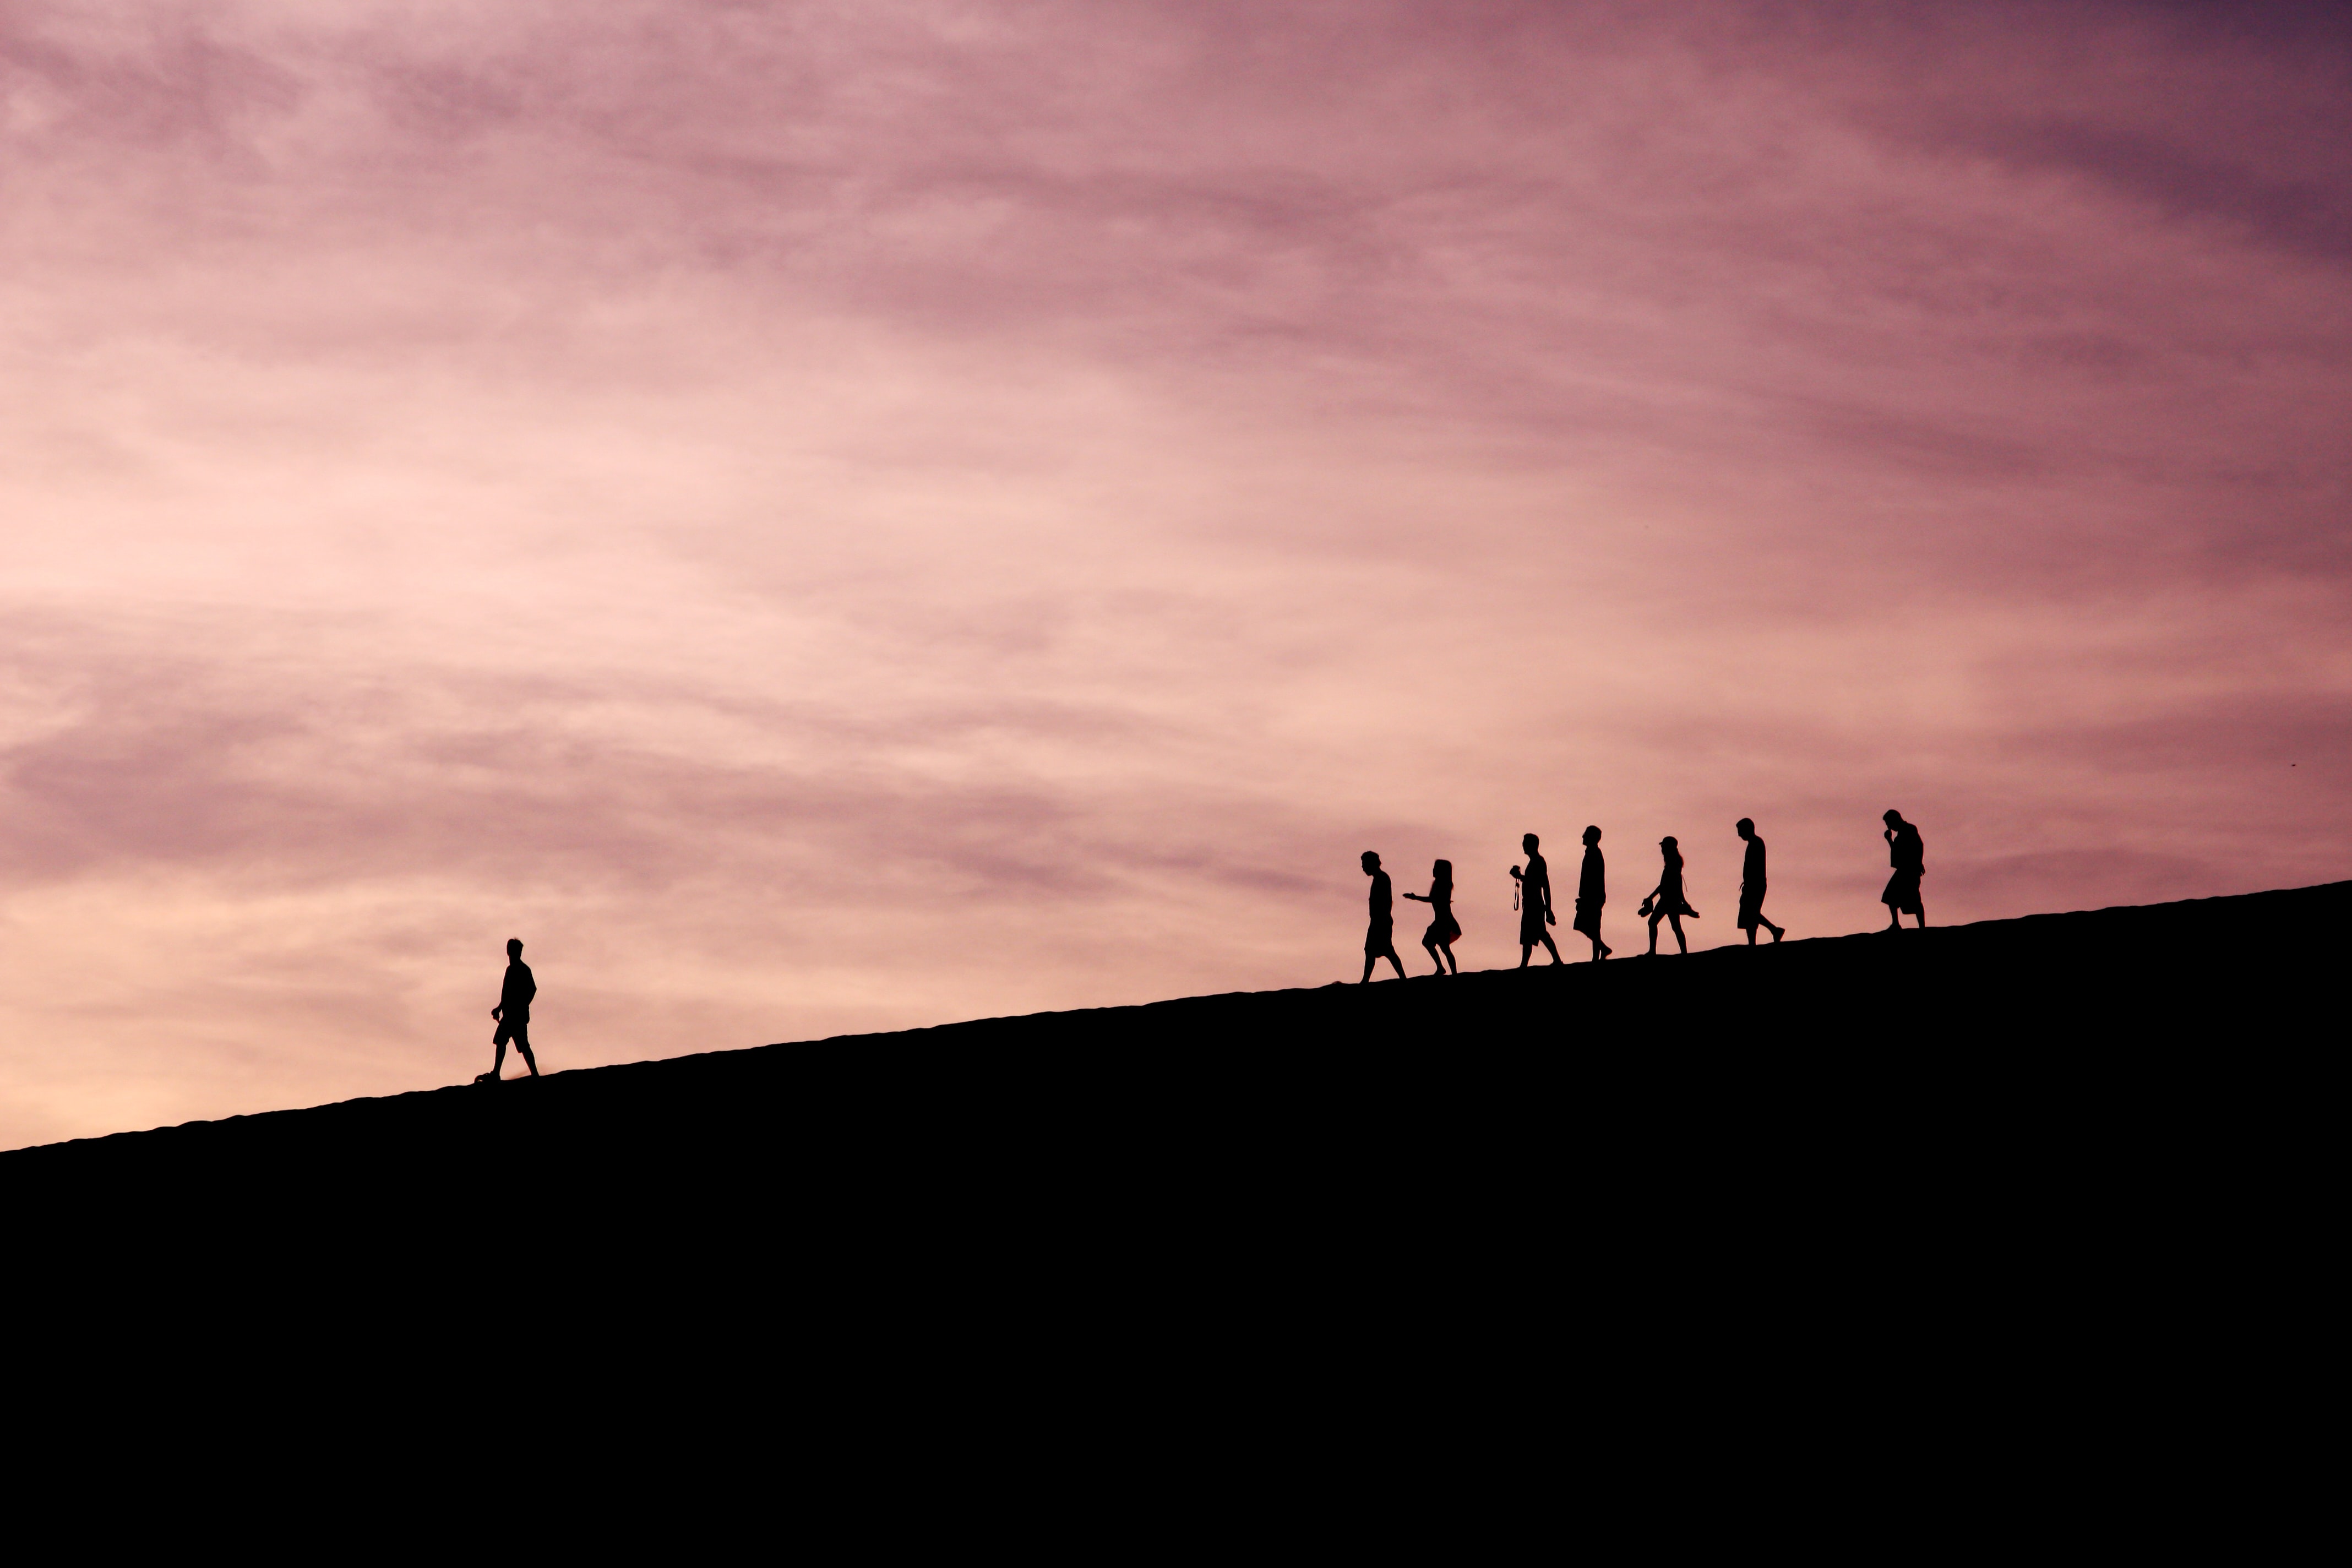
[
  {"x": 1667, "y": 902},
  {"x": 1531, "y": 896}
]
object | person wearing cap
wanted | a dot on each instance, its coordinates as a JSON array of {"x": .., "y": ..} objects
[
  {"x": 1666, "y": 901},
  {"x": 1751, "y": 884}
]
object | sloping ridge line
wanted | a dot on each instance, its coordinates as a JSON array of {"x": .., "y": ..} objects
[{"x": 2041, "y": 993}]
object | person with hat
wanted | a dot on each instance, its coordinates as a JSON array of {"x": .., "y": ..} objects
[{"x": 1666, "y": 901}]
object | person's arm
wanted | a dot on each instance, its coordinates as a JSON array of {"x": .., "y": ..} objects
[{"x": 1417, "y": 898}]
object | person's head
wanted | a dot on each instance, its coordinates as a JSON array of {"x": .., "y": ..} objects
[
  {"x": 1592, "y": 835},
  {"x": 1371, "y": 862},
  {"x": 1744, "y": 827},
  {"x": 1528, "y": 842},
  {"x": 514, "y": 947},
  {"x": 1442, "y": 871},
  {"x": 1893, "y": 818},
  {"x": 1668, "y": 847}
]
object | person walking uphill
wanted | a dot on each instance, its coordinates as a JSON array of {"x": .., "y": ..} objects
[
  {"x": 1751, "y": 884},
  {"x": 513, "y": 1012},
  {"x": 1666, "y": 901},
  {"x": 1535, "y": 904},
  {"x": 1591, "y": 892},
  {"x": 1908, "y": 855},
  {"x": 1380, "y": 937}
]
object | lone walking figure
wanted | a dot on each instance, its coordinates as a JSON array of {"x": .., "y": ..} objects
[
  {"x": 1380, "y": 937},
  {"x": 513, "y": 1012},
  {"x": 1908, "y": 855},
  {"x": 1751, "y": 885},
  {"x": 1442, "y": 929},
  {"x": 1535, "y": 904},
  {"x": 1666, "y": 901}
]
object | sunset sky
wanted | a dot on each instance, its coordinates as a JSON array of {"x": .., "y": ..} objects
[{"x": 831, "y": 518}]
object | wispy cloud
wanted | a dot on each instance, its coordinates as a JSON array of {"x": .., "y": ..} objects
[{"x": 825, "y": 517}]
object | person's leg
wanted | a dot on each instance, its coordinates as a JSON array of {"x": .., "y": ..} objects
[
  {"x": 522, "y": 1046},
  {"x": 1526, "y": 951},
  {"x": 1778, "y": 932},
  {"x": 1452, "y": 964},
  {"x": 498, "y": 1062},
  {"x": 1676, "y": 920},
  {"x": 1654, "y": 934},
  {"x": 1429, "y": 945},
  {"x": 1369, "y": 958},
  {"x": 1893, "y": 917},
  {"x": 1551, "y": 947},
  {"x": 1751, "y": 936},
  {"x": 1921, "y": 913},
  {"x": 1396, "y": 962}
]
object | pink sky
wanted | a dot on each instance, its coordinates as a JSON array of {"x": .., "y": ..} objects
[{"x": 836, "y": 518}]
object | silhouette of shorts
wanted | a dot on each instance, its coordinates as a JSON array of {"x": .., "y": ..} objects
[
  {"x": 1902, "y": 893},
  {"x": 515, "y": 1029},
  {"x": 1380, "y": 937},
  {"x": 1751, "y": 909},
  {"x": 1587, "y": 918}
]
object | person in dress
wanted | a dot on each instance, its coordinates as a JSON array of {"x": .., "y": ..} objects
[
  {"x": 1666, "y": 901},
  {"x": 1751, "y": 884},
  {"x": 1535, "y": 903},
  {"x": 1443, "y": 930},
  {"x": 1380, "y": 937},
  {"x": 1591, "y": 892},
  {"x": 1908, "y": 855}
]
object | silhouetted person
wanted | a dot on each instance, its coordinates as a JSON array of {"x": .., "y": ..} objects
[
  {"x": 1666, "y": 901},
  {"x": 1591, "y": 892},
  {"x": 1535, "y": 904},
  {"x": 1442, "y": 930},
  {"x": 1910, "y": 858},
  {"x": 513, "y": 1012},
  {"x": 1751, "y": 885},
  {"x": 1380, "y": 939}
]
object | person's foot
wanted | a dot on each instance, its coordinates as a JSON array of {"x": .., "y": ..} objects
[
  {"x": 1779, "y": 932},
  {"x": 486, "y": 1078}
]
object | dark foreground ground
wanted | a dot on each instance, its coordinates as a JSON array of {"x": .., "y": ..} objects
[{"x": 2029, "y": 1177}]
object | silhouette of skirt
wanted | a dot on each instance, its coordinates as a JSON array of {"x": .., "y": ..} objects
[
  {"x": 1441, "y": 930},
  {"x": 1902, "y": 893},
  {"x": 1751, "y": 909},
  {"x": 1588, "y": 917},
  {"x": 1674, "y": 904},
  {"x": 1380, "y": 937}
]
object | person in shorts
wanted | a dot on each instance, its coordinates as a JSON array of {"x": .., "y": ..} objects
[
  {"x": 513, "y": 1012},
  {"x": 1535, "y": 903}
]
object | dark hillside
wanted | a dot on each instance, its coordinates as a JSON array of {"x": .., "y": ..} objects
[{"x": 2055, "y": 1032}]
